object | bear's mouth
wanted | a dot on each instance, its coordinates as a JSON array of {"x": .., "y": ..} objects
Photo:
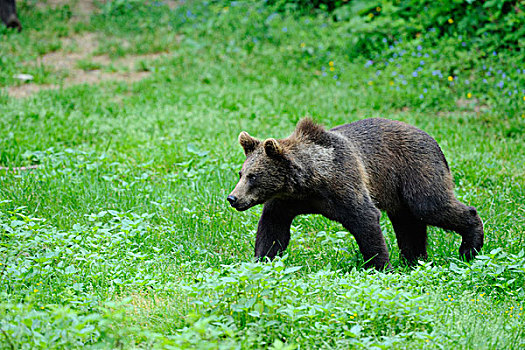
[{"x": 240, "y": 207}]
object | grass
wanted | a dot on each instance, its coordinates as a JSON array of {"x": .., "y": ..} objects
[{"x": 122, "y": 235}]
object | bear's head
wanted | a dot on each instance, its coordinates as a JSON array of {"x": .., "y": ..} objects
[{"x": 266, "y": 173}]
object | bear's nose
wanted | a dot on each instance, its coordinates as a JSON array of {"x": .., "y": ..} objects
[{"x": 232, "y": 200}]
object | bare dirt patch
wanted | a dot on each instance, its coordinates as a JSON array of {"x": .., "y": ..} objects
[
  {"x": 92, "y": 77},
  {"x": 77, "y": 61},
  {"x": 80, "y": 9},
  {"x": 68, "y": 63},
  {"x": 85, "y": 46},
  {"x": 471, "y": 104}
]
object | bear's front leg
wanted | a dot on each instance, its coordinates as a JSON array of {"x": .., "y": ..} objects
[{"x": 273, "y": 231}]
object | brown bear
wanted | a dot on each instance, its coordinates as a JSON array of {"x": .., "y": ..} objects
[{"x": 348, "y": 174}]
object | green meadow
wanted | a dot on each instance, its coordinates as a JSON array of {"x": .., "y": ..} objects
[{"x": 115, "y": 231}]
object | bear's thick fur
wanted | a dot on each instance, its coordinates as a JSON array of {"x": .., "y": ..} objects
[{"x": 348, "y": 174}]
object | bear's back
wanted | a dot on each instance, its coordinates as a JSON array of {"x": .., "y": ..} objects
[{"x": 396, "y": 156}]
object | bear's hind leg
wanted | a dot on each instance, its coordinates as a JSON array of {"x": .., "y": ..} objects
[
  {"x": 464, "y": 220},
  {"x": 411, "y": 234}
]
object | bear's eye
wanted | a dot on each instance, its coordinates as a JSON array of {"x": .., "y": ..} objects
[
  {"x": 240, "y": 174},
  {"x": 251, "y": 177}
]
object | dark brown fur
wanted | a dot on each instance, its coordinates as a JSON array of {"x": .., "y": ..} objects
[{"x": 349, "y": 174}]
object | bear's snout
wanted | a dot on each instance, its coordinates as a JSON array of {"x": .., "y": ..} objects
[
  {"x": 238, "y": 204},
  {"x": 232, "y": 200}
]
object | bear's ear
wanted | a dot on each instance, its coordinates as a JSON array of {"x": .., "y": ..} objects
[
  {"x": 248, "y": 143},
  {"x": 272, "y": 148}
]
